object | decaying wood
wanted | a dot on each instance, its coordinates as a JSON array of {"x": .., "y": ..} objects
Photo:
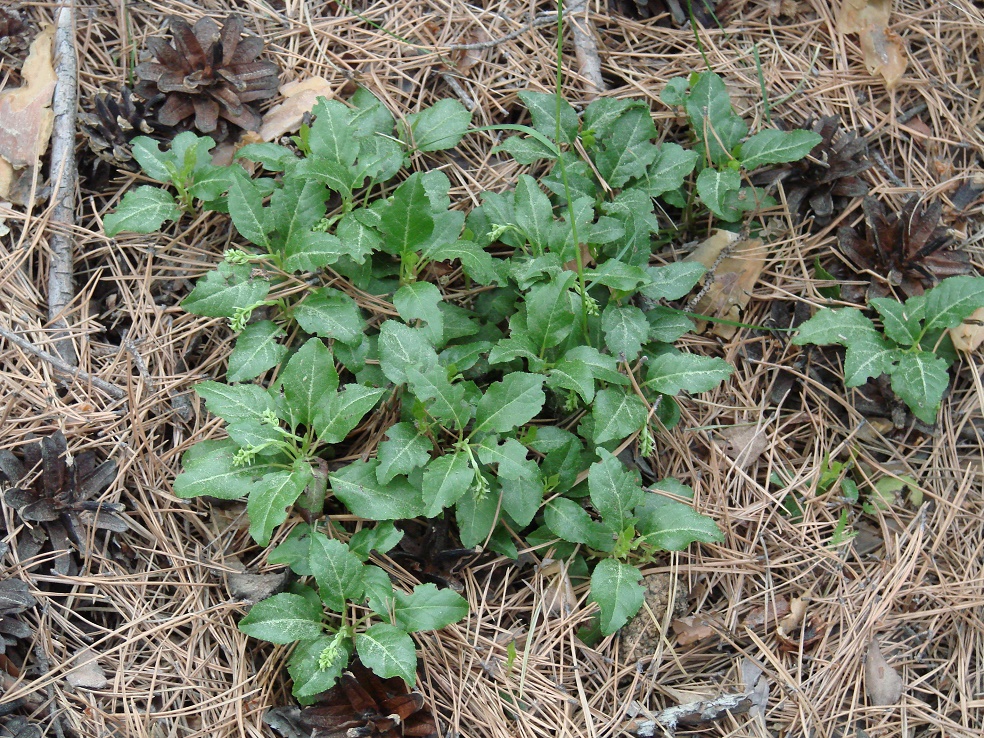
[
  {"x": 691, "y": 714},
  {"x": 586, "y": 48}
]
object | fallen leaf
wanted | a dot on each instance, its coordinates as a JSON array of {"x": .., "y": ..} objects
[
  {"x": 789, "y": 624},
  {"x": 882, "y": 683},
  {"x": 794, "y": 635},
  {"x": 759, "y": 617},
  {"x": 883, "y": 50},
  {"x": 970, "y": 334},
  {"x": 88, "y": 675},
  {"x": 693, "y": 628},
  {"x": 733, "y": 267},
  {"x": 756, "y": 686},
  {"x": 558, "y": 594},
  {"x": 26, "y": 117},
  {"x": 465, "y": 59},
  {"x": 251, "y": 588},
  {"x": 287, "y": 116},
  {"x": 744, "y": 443}
]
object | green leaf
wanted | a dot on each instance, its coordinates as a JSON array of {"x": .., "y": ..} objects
[
  {"x": 525, "y": 149},
  {"x": 476, "y": 517},
  {"x": 550, "y": 311},
  {"x": 309, "y": 251},
  {"x": 920, "y": 379},
  {"x": 953, "y": 300},
  {"x": 336, "y": 177},
  {"x": 381, "y": 539},
  {"x": 210, "y": 182},
  {"x": 337, "y": 571},
  {"x": 844, "y": 327},
  {"x": 674, "y": 371},
  {"x": 628, "y": 151},
  {"x": 672, "y": 281},
  {"x": 667, "y": 173},
  {"x": 235, "y": 402},
  {"x": 222, "y": 292},
  {"x": 440, "y": 126},
  {"x": 543, "y": 107},
  {"x": 283, "y": 618},
  {"x": 445, "y": 401},
  {"x": 338, "y": 413},
  {"x": 900, "y": 324},
  {"x": 404, "y": 450},
  {"x": 446, "y": 480},
  {"x": 777, "y": 147},
  {"x": 388, "y": 651},
  {"x": 154, "y": 162},
  {"x": 332, "y": 134},
  {"x": 265, "y": 438},
  {"x": 209, "y": 470},
  {"x": 358, "y": 488},
  {"x": 616, "y": 415},
  {"x": 330, "y": 313},
  {"x": 573, "y": 375},
  {"x": 617, "y": 274},
  {"x": 667, "y": 325},
  {"x": 871, "y": 357},
  {"x": 406, "y": 221},
  {"x": 296, "y": 208},
  {"x": 476, "y": 262},
  {"x": 521, "y": 498},
  {"x": 675, "y": 92},
  {"x": 308, "y": 677},
  {"x": 603, "y": 366},
  {"x": 509, "y": 456},
  {"x": 379, "y": 590},
  {"x": 715, "y": 188},
  {"x": 601, "y": 114},
  {"x": 571, "y": 522},
  {"x": 534, "y": 214},
  {"x": 625, "y": 329},
  {"x": 190, "y": 152},
  {"x": 309, "y": 375},
  {"x": 246, "y": 209},
  {"x": 419, "y": 301},
  {"x": 256, "y": 351},
  {"x": 510, "y": 403},
  {"x": 142, "y": 210},
  {"x": 270, "y": 497},
  {"x": 671, "y": 525},
  {"x": 273, "y": 157},
  {"x": 614, "y": 490},
  {"x": 615, "y": 587},
  {"x": 358, "y": 240},
  {"x": 428, "y": 608},
  {"x": 712, "y": 117},
  {"x": 402, "y": 347}
]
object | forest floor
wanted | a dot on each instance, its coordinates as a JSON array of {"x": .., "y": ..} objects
[{"x": 139, "y": 638}]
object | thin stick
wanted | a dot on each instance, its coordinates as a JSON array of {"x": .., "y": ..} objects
[
  {"x": 110, "y": 389},
  {"x": 64, "y": 178},
  {"x": 543, "y": 20}
]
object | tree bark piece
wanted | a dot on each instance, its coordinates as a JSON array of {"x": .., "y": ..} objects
[{"x": 586, "y": 48}]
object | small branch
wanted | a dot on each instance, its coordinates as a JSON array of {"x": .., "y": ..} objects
[
  {"x": 586, "y": 48},
  {"x": 543, "y": 20},
  {"x": 64, "y": 181},
  {"x": 110, "y": 389}
]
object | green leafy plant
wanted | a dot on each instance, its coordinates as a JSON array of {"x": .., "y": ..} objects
[
  {"x": 507, "y": 353},
  {"x": 912, "y": 346}
]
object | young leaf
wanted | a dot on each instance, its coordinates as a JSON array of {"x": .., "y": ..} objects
[
  {"x": 305, "y": 671},
  {"x": 614, "y": 490},
  {"x": 235, "y": 402},
  {"x": 712, "y": 117},
  {"x": 476, "y": 517},
  {"x": 510, "y": 403},
  {"x": 270, "y": 497},
  {"x": 672, "y": 281},
  {"x": 388, "y": 651},
  {"x": 844, "y": 327},
  {"x": 402, "y": 347},
  {"x": 715, "y": 189},
  {"x": 338, "y": 413},
  {"x": 672, "y": 166},
  {"x": 337, "y": 571},
  {"x": 142, "y": 210},
  {"x": 616, "y": 414},
  {"x": 419, "y": 301},
  {"x": 404, "y": 450},
  {"x": 901, "y": 326},
  {"x": 440, "y": 126},
  {"x": 869, "y": 358},
  {"x": 330, "y": 313},
  {"x": 776, "y": 147},
  {"x": 256, "y": 351},
  {"x": 283, "y": 618},
  {"x": 154, "y": 162},
  {"x": 446, "y": 480},
  {"x": 674, "y": 371},
  {"x": 543, "y": 107},
  {"x": 625, "y": 329},
  {"x": 222, "y": 292},
  {"x": 571, "y": 522},
  {"x": 428, "y": 608},
  {"x": 358, "y": 488},
  {"x": 382, "y": 538},
  {"x": 308, "y": 376},
  {"x": 615, "y": 587},
  {"x": 246, "y": 209},
  {"x": 406, "y": 221},
  {"x": 331, "y": 136},
  {"x": 952, "y": 300},
  {"x": 210, "y": 469},
  {"x": 920, "y": 379},
  {"x": 671, "y": 525},
  {"x": 210, "y": 182}
]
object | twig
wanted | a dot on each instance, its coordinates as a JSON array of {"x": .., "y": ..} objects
[
  {"x": 44, "y": 667},
  {"x": 543, "y": 20},
  {"x": 586, "y": 48},
  {"x": 892, "y": 177},
  {"x": 110, "y": 389},
  {"x": 64, "y": 180}
]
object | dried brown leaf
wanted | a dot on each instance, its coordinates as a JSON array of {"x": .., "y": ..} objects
[
  {"x": 970, "y": 334},
  {"x": 558, "y": 593},
  {"x": 882, "y": 682},
  {"x": 884, "y": 52},
  {"x": 762, "y": 616},
  {"x": 300, "y": 97},
  {"x": 729, "y": 283},
  {"x": 744, "y": 443},
  {"x": 693, "y": 628}
]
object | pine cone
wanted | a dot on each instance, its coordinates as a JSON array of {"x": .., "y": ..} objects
[
  {"x": 115, "y": 121},
  {"x": 910, "y": 249},
  {"x": 210, "y": 73},
  {"x": 823, "y": 182},
  {"x": 361, "y": 705}
]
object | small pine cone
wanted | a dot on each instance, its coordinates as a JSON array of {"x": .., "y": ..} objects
[
  {"x": 209, "y": 76},
  {"x": 116, "y": 119}
]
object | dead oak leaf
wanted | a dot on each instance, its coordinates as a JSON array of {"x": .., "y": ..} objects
[{"x": 884, "y": 52}]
